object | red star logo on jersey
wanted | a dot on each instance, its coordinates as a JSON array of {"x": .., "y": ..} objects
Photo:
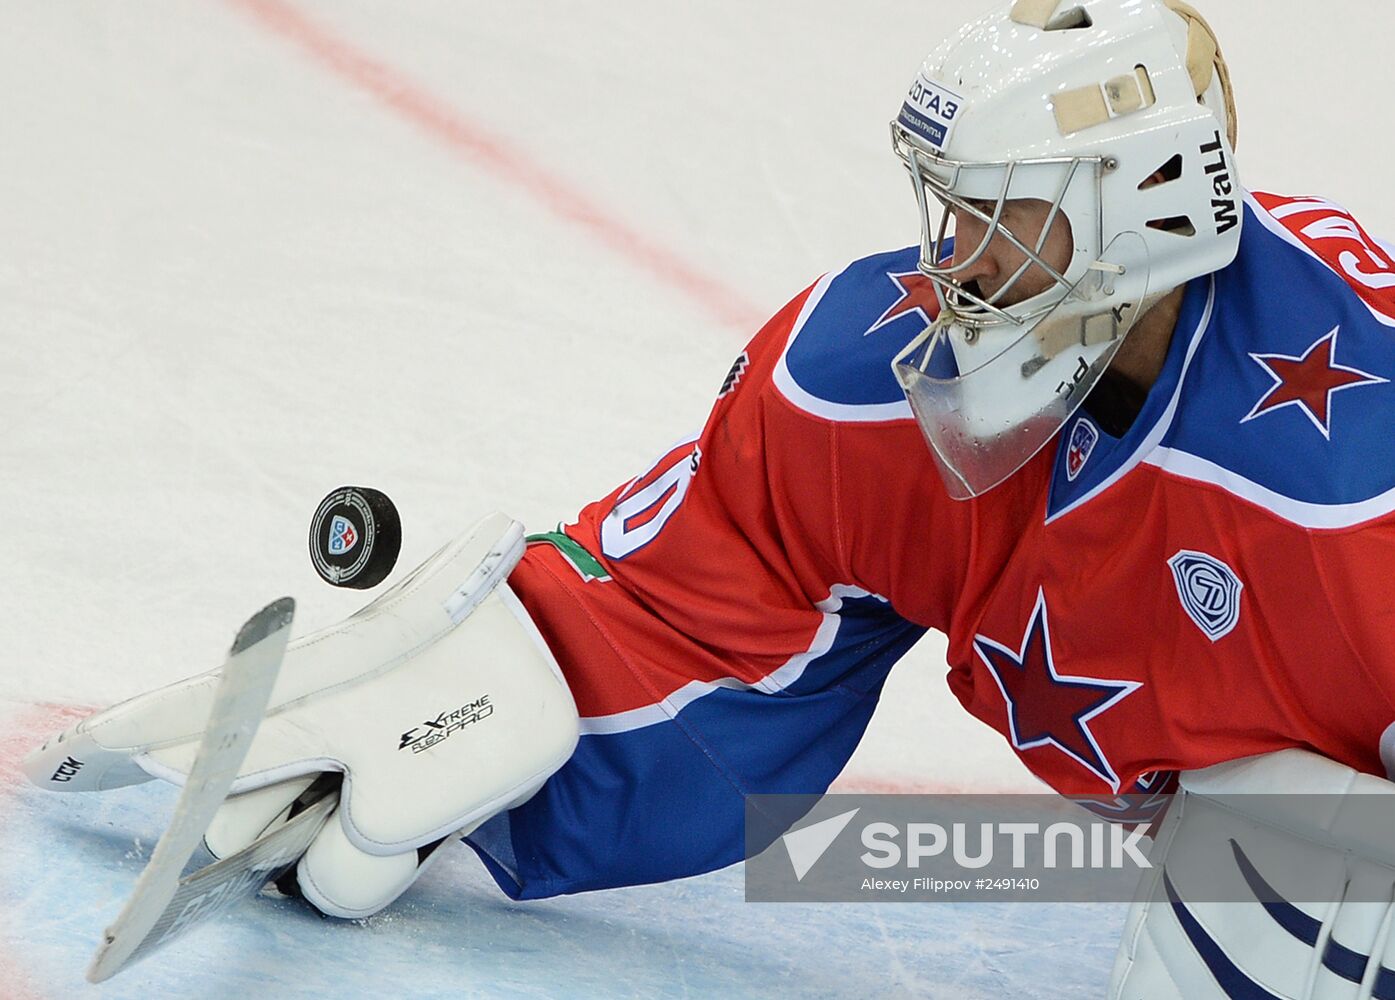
[
  {"x": 1046, "y": 707},
  {"x": 1308, "y": 382},
  {"x": 917, "y": 295}
]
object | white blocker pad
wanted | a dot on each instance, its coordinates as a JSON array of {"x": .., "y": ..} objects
[
  {"x": 1273, "y": 877},
  {"x": 439, "y": 702}
]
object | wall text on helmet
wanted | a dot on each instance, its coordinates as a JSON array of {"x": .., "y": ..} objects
[{"x": 1224, "y": 206}]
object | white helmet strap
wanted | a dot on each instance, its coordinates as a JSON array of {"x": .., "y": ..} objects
[
  {"x": 1205, "y": 62},
  {"x": 1042, "y": 14}
]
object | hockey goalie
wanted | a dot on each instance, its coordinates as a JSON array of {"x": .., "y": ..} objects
[{"x": 1110, "y": 422}]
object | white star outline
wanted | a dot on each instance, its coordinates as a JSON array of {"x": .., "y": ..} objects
[
  {"x": 1126, "y": 688},
  {"x": 1326, "y": 432}
]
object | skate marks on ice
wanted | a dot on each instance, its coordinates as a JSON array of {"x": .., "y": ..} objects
[{"x": 67, "y": 863}]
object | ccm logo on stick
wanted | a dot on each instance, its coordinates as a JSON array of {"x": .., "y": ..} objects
[{"x": 67, "y": 769}]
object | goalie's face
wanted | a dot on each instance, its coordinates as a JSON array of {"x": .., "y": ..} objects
[
  {"x": 1001, "y": 272},
  {"x": 1034, "y": 307}
]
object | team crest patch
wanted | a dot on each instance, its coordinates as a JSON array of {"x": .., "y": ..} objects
[
  {"x": 1083, "y": 439},
  {"x": 1209, "y": 591},
  {"x": 342, "y": 536}
]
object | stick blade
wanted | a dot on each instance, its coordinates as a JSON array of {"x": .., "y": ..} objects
[
  {"x": 243, "y": 692},
  {"x": 214, "y": 889}
]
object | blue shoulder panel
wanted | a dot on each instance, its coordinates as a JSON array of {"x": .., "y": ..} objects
[
  {"x": 859, "y": 320},
  {"x": 1289, "y": 398}
]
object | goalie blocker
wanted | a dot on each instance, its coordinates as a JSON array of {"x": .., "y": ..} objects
[
  {"x": 439, "y": 702},
  {"x": 1273, "y": 877}
]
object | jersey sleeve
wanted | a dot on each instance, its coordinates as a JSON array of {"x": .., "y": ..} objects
[
  {"x": 716, "y": 638},
  {"x": 733, "y": 538}
]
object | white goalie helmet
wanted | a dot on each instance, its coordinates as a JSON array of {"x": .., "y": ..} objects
[{"x": 1118, "y": 115}]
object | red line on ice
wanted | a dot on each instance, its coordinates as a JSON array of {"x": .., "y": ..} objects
[
  {"x": 20, "y": 733},
  {"x": 505, "y": 162}
]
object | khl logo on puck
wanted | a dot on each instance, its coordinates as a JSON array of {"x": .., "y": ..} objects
[
  {"x": 342, "y": 536},
  {"x": 355, "y": 536}
]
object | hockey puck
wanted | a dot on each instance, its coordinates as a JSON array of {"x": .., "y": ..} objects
[{"x": 355, "y": 537}]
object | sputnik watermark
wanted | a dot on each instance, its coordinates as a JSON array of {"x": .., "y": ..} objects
[
  {"x": 1110, "y": 845},
  {"x": 1035, "y": 848},
  {"x": 898, "y": 848}
]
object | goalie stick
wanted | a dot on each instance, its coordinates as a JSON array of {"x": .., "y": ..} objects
[{"x": 162, "y": 906}]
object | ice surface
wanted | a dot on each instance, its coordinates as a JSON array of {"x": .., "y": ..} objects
[
  {"x": 456, "y": 935},
  {"x": 475, "y": 255}
]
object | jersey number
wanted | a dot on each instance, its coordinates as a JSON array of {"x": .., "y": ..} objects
[{"x": 647, "y": 503}]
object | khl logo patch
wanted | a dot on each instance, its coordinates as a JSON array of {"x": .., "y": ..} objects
[
  {"x": 1209, "y": 591},
  {"x": 342, "y": 536},
  {"x": 1082, "y": 442}
]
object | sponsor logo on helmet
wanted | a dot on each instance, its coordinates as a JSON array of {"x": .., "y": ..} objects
[
  {"x": 1083, "y": 439},
  {"x": 342, "y": 536},
  {"x": 931, "y": 111},
  {"x": 1209, "y": 591},
  {"x": 1224, "y": 205}
]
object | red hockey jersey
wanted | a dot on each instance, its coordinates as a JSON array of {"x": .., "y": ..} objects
[{"x": 1218, "y": 582}]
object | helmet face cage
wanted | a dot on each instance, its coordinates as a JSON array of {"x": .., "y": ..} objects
[
  {"x": 951, "y": 186},
  {"x": 1112, "y": 114},
  {"x": 991, "y": 381},
  {"x": 984, "y": 422}
]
